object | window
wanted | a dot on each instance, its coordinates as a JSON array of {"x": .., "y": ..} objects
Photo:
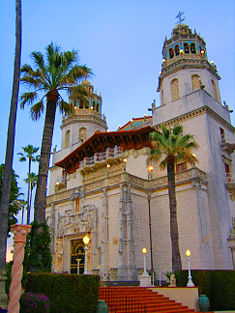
[
  {"x": 177, "y": 51},
  {"x": 67, "y": 139},
  {"x": 77, "y": 205},
  {"x": 82, "y": 134},
  {"x": 186, "y": 48},
  {"x": 222, "y": 135},
  {"x": 227, "y": 172},
  {"x": 175, "y": 92},
  {"x": 215, "y": 90},
  {"x": 196, "y": 82},
  {"x": 171, "y": 53},
  {"x": 162, "y": 97},
  {"x": 193, "y": 49},
  {"x": 180, "y": 167}
]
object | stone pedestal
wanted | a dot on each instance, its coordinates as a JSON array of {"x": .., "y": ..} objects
[
  {"x": 3, "y": 295},
  {"x": 20, "y": 232},
  {"x": 145, "y": 280}
]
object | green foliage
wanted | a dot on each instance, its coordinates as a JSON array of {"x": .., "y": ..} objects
[
  {"x": 33, "y": 302},
  {"x": 37, "y": 250},
  {"x": 14, "y": 206},
  {"x": 68, "y": 293},
  {"x": 218, "y": 285}
]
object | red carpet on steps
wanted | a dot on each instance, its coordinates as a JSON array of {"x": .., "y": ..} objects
[{"x": 139, "y": 300}]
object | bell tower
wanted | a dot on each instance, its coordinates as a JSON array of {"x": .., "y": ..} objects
[{"x": 185, "y": 70}]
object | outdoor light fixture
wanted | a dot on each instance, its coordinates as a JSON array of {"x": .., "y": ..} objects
[
  {"x": 108, "y": 165},
  {"x": 190, "y": 282},
  {"x": 125, "y": 160},
  {"x": 144, "y": 251},
  {"x": 86, "y": 240}
]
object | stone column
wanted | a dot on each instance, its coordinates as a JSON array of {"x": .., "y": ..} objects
[
  {"x": 20, "y": 232},
  {"x": 122, "y": 269}
]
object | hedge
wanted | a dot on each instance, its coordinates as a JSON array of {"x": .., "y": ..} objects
[
  {"x": 68, "y": 293},
  {"x": 218, "y": 285}
]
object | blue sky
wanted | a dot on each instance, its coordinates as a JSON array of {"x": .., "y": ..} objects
[{"x": 121, "y": 40}]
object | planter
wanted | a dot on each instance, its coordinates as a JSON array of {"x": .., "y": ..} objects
[
  {"x": 203, "y": 303},
  {"x": 102, "y": 307}
]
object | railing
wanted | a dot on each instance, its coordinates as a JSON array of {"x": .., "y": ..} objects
[
  {"x": 120, "y": 302},
  {"x": 101, "y": 156}
]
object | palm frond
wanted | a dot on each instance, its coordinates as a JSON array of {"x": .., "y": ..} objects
[
  {"x": 178, "y": 129},
  {"x": 37, "y": 110},
  {"x": 38, "y": 59},
  {"x": 28, "y": 98},
  {"x": 65, "y": 107}
]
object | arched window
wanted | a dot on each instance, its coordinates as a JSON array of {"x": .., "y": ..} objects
[
  {"x": 196, "y": 82},
  {"x": 175, "y": 92},
  {"x": 81, "y": 105},
  {"x": 215, "y": 90},
  {"x": 67, "y": 139},
  {"x": 193, "y": 49},
  {"x": 171, "y": 53},
  {"x": 97, "y": 107},
  {"x": 82, "y": 134},
  {"x": 177, "y": 51},
  {"x": 162, "y": 97},
  {"x": 186, "y": 48}
]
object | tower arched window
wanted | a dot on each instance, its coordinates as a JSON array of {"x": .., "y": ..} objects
[
  {"x": 171, "y": 53},
  {"x": 196, "y": 82},
  {"x": 215, "y": 90},
  {"x": 177, "y": 51},
  {"x": 67, "y": 139},
  {"x": 186, "y": 48},
  {"x": 175, "y": 92},
  {"x": 82, "y": 134},
  {"x": 162, "y": 97},
  {"x": 193, "y": 48}
]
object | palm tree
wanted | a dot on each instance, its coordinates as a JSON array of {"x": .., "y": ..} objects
[
  {"x": 55, "y": 72},
  {"x": 32, "y": 179},
  {"x": 10, "y": 143},
  {"x": 171, "y": 147},
  {"x": 29, "y": 151}
]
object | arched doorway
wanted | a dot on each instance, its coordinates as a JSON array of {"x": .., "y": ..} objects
[{"x": 77, "y": 257}]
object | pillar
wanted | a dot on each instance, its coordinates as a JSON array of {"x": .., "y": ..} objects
[{"x": 20, "y": 232}]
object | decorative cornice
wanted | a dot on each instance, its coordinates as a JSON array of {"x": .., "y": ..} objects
[{"x": 203, "y": 110}]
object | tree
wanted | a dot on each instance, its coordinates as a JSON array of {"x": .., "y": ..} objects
[
  {"x": 171, "y": 147},
  {"x": 55, "y": 72},
  {"x": 29, "y": 151},
  {"x": 33, "y": 182},
  {"x": 6, "y": 187},
  {"x": 14, "y": 202}
]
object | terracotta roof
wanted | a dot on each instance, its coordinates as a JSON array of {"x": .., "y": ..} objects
[{"x": 98, "y": 142}]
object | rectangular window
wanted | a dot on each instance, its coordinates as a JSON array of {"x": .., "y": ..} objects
[
  {"x": 77, "y": 205},
  {"x": 180, "y": 167},
  {"x": 227, "y": 172},
  {"x": 222, "y": 135}
]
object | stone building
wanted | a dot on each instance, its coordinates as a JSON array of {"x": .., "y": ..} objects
[{"x": 100, "y": 186}]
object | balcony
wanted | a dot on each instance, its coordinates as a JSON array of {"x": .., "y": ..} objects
[
  {"x": 101, "y": 157},
  {"x": 61, "y": 182}
]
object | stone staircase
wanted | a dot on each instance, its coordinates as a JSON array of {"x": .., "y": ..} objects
[{"x": 139, "y": 300}]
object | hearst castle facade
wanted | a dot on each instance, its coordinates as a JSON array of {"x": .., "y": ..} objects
[{"x": 99, "y": 184}]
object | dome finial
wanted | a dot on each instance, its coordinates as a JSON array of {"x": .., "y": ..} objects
[{"x": 181, "y": 19}]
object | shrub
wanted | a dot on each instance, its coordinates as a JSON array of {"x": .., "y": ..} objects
[
  {"x": 33, "y": 302},
  {"x": 218, "y": 285},
  {"x": 68, "y": 293}
]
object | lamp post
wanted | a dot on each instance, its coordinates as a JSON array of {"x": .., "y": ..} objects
[
  {"x": 190, "y": 282},
  {"x": 86, "y": 240},
  {"x": 150, "y": 170},
  {"x": 144, "y": 251}
]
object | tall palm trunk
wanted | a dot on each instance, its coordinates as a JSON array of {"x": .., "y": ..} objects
[
  {"x": 28, "y": 195},
  {"x": 10, "y": 142},
  {"x": 176, "y": 258},
  {"x": 40, "y": 197}
]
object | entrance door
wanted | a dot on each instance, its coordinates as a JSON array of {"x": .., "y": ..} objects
[{"x": 77, "y": 257}]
